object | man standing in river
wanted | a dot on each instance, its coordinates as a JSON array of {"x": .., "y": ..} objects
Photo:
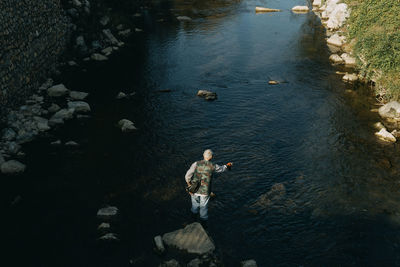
[{"x": 203, "y": 171}]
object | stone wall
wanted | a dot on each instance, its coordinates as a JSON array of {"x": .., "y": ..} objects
[{"x": 32, "y": 36}]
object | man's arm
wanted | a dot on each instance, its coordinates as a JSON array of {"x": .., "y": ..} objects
[
  {"x": 219, "y": 168},
  {"x": 190, "y": 172}
]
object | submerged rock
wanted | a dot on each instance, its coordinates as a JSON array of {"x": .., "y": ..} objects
[
  {"x": 126, "y": 125},
  {"x": 12, "y": 167},
  {"x": 71, "y": 143},
  {"x": 390, "y": 110},
  {"x": 208, "y": 95},
  {"x": 384, "y": 135},
  {"x": 276, "y": 193},
  {"x": 57, "y": 90},
  {"x": 121, "y": 95},
  {"x": 192, "y": 239}
]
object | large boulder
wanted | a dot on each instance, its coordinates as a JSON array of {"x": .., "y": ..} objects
[
  {"x": 57, "y": 90},
  {"x": 12, "y": 167},
  {"x": 390, "y": 110},
  {"x": 193, "y": 239},
  {"x": 338, "y": 16}
]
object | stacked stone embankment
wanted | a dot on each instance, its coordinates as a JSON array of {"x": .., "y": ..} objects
[{"x": 32, "y": 36}]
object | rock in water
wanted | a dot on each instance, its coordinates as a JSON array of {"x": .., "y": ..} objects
[
  {"x": 248, "y": 263},
  {"x": 183, "y": 18},
  {"x": 98, "y": 57},
  {"x": 159, "y": 244},
  {"x": 110, "y": 37},
  {"x": 265, "y": 9},
  {"x": 126, "y": 125},
  {"x": 107, "y": 213},
  {"x": 109, "y": 237},
  {"x": 192, "y": 238},
  {"x": 317, "y": 3},
  {"x": 170, "y": 263},
  {"x": 300, "y": 9},
  {"x": 75, "y": 95},
  {"x": 208, "y": 95},
  {"x": 384, "y": 135},
  {"x": 390, "y": 110},
  {"x": 57, "y": 90},
  {"x": 121, "y": 95},
  {"x": 12, "y": 167},
  {"x": 79, "y": 106}
]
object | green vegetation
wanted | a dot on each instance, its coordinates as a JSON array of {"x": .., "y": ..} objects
[{"x": 374, "y": 28}]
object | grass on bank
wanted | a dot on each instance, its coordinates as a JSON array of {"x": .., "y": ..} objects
[{"x": 374, "y": 28}]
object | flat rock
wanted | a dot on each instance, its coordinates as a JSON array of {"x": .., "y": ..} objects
[
  {"x": 98, "y": 57},
  {"x": 302, "y": 9},
  {"x": 248, "y": 263},
  {"x": 335, "y": 58},
  {"x": 390, "y": 110},
  {"x": 57, "y": 90},
  {"x": 348, "y": 60},
  {"x": 192, "y": 239},
  {"x": 79, "y": 106},
  {"x": 350, "y": 77},
  {"x": 76, "y": 95},
  {"x": 265, "y": 9},
  {"x": 384, "y": 135},
  {"x": 335, "y": 40},
  {"x": 12, "y": 167},
  {"x": 107, "y": 212},
  {"x": 126, "y": 125},
  {"x": 183, "y": 18},
  {"x": 207, "y": 95}
]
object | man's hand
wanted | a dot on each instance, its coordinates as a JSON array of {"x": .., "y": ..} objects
[{"x": 229, "y": 165}]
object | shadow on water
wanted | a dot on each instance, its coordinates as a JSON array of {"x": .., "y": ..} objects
[{"x": 311, "y": 186}]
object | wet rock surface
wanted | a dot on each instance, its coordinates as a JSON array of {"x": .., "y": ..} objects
[{"x": 193, "y": 239}]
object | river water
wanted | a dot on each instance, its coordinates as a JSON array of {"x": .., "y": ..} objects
[{"x": 311, "y": 185}]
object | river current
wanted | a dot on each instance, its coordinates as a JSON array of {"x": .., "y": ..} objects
[{"x": 310, "y": 186}]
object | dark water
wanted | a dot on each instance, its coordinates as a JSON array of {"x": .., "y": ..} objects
[{"x": 311, "y": 186}]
